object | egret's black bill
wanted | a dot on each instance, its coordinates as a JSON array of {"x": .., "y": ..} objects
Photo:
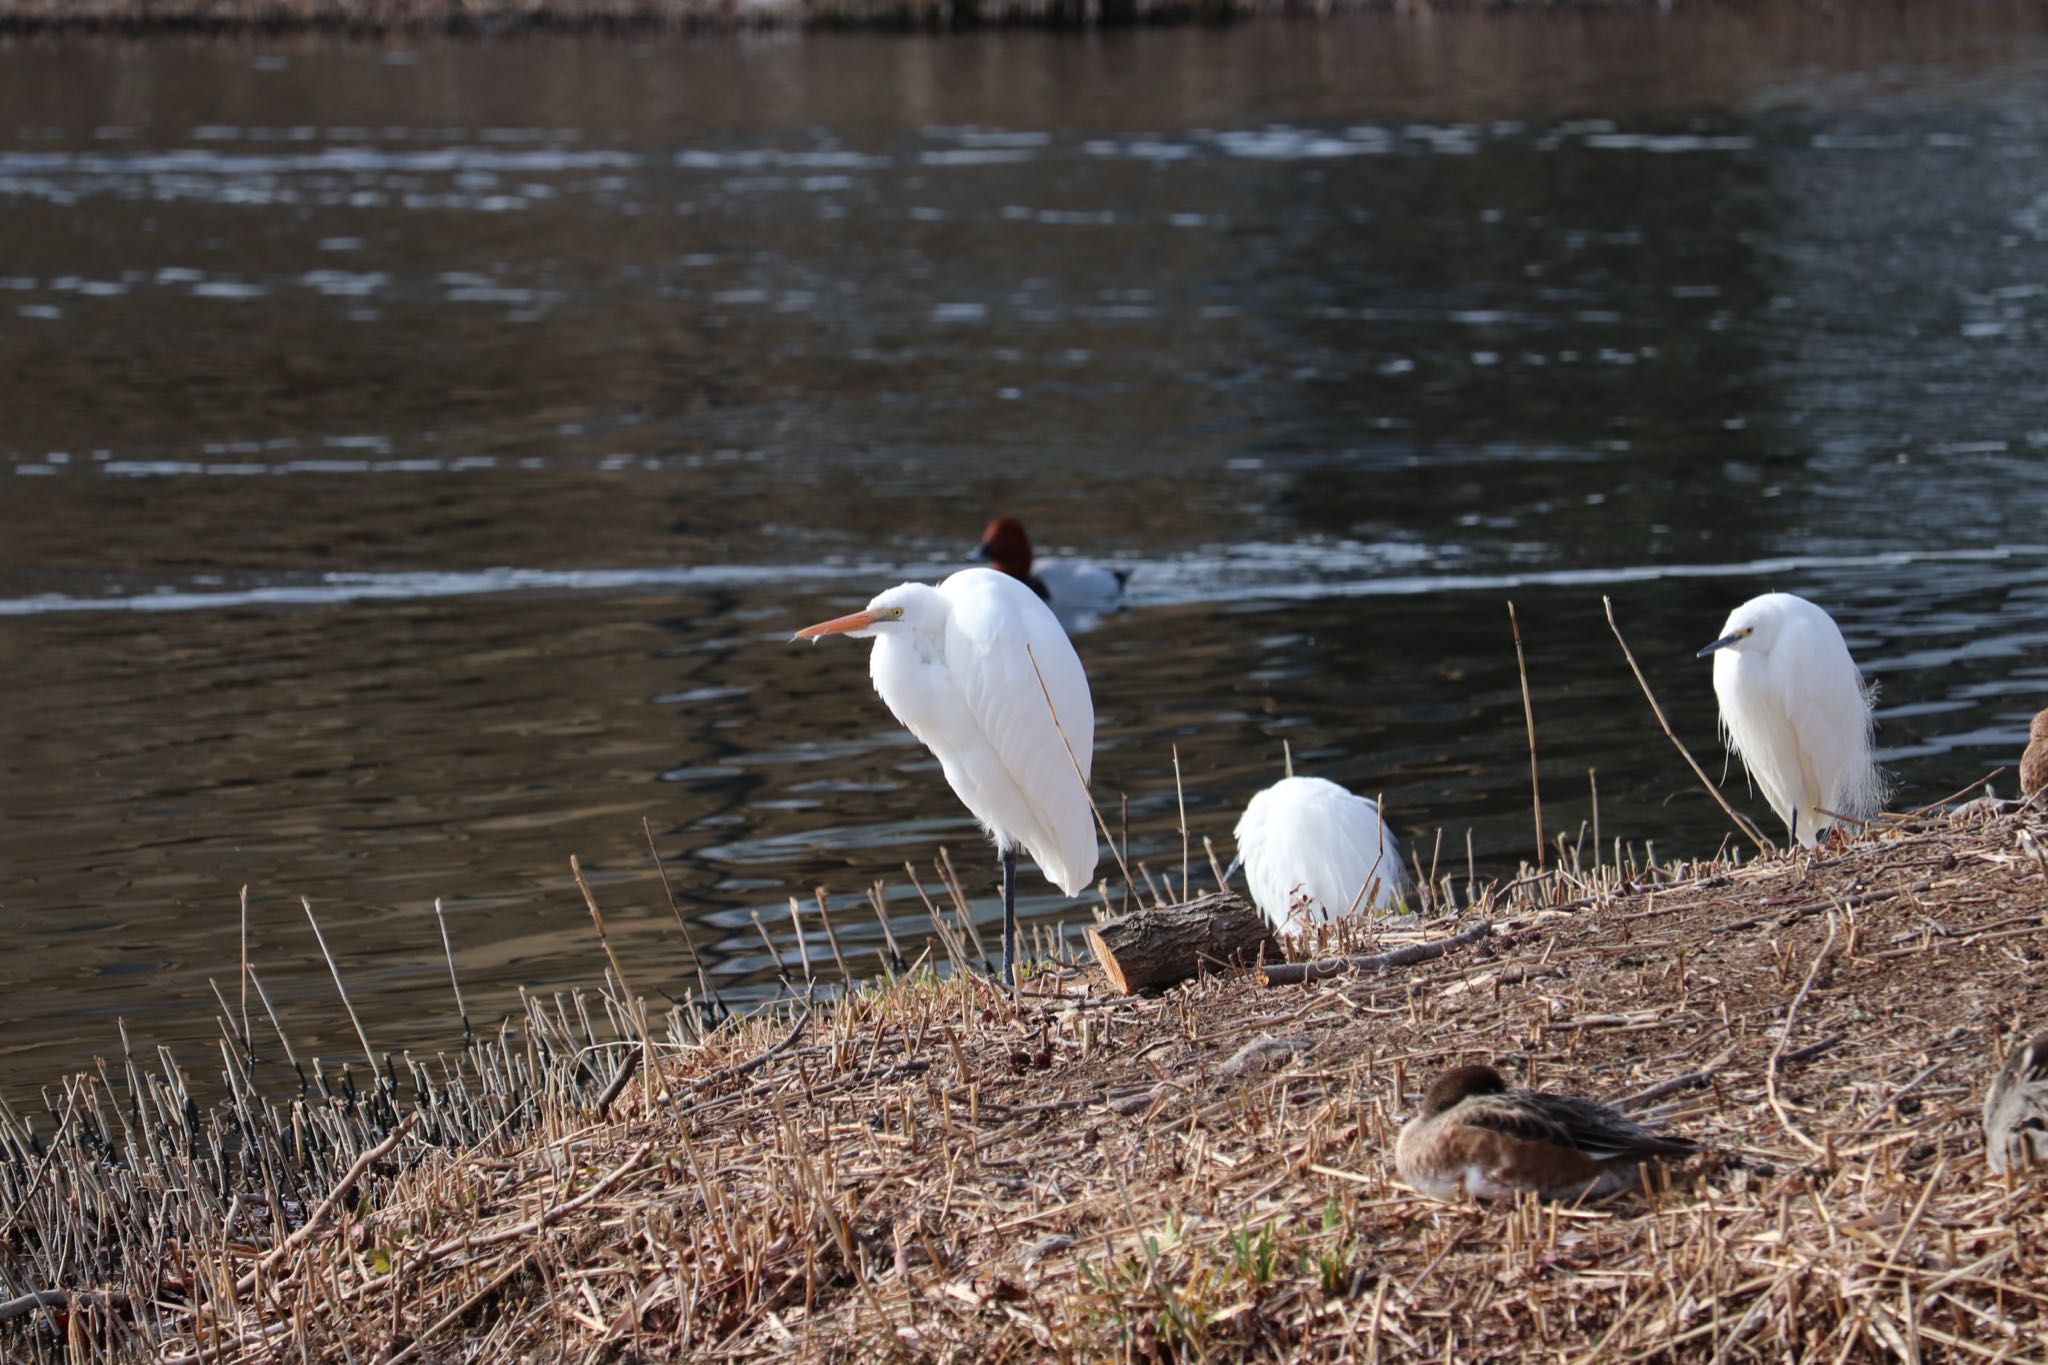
[
  {"x": 1724, "y": 640},
  {"x": 981, "y": 551}
]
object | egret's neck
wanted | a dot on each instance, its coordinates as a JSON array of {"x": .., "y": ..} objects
[
  {"x": 916, "y": 647},
  {"x": 917, "y": 642}
]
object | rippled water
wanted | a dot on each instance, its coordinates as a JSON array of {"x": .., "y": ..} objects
[{"x": 413, "y": 460}]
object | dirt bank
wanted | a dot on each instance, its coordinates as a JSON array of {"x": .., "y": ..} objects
[{"x": 931, "y": 1170}]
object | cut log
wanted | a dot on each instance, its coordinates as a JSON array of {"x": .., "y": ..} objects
[{"x": 1165, "y": 944}]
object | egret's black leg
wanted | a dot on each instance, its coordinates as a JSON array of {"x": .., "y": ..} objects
[{"x": 1009, "y": 916}]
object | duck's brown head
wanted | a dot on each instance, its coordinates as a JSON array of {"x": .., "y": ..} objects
[
  {"x": 1459, "y": 1082},
  {"x": 1005, "y": 545}
]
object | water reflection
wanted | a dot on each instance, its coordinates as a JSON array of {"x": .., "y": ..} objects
[{"x": 413, "y": 468}]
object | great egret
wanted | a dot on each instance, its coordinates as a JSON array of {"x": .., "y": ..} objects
[
  {"x": 1313, "y": 852},
  {"x": 954, "y": 665},
  {"x": 1070, "y": 588},
  {"x": 2016, "y": 1110},
  {"x": 1475, "y": 1136},
  {"x": 2034, "y": 762},
  {"x": 1795, "y": 710}
]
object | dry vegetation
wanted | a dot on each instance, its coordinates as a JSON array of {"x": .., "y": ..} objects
[{"x": 929, "y": 1169}]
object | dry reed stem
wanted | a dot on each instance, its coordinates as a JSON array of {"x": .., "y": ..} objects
[
  {"x": 1529, "y": 720},
  {"x": 1755, "y": 836},
  {"x": 636, "y": 1010},
  {"x": 248, "y": 1042},
  {"x": 369, "y": 1054},
  {"x": 1122, "y": 862},
  {"x": 706, "y": 989},
  {"x": 1180, "y": 802},
  {"x": 447, "y": 948}
]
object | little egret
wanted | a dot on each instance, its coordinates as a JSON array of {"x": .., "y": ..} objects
[
  {"x": 1795, "y": 710},
  {"x": 2016, "y": 1110},
  {"x": 1475, "y": 1136},
  {"x": 1312, "y": 852},
  {"x": 1070, "y": 588},
  {"x": 954, "y": 665}
]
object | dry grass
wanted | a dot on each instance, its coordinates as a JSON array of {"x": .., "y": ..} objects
[{"x": 928, "y": 1169}]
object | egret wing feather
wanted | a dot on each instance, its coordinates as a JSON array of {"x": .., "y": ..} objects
[
  {"x": 1834, "y": 714},
  {"x": 1758, "y": 726},
  {"x": 1310, "y": 848},
  {"x": 996, "y": 630}
]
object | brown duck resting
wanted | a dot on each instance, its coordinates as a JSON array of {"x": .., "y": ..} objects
[
  {"x": 1477, "y": 1137},
  {"x": 2016, "y": 1110},
  {"x": 2034, "y": 762}
]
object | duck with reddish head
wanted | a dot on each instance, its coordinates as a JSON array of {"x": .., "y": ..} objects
[{"x": 1074, "y": 589}]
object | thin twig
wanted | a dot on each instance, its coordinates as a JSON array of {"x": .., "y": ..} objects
[
  {"x": 1079, "y": 772},
  {"x": 1785, "y": 1035},
  {"x": 696, "y": 958},
  {"x": 449, "y": 948},
  {"x": 831, "y": 938},
  {"x": 1529, "y": 719},
  {"x": 1763, "y": 845},
  {"x": 635, "y": 1010},
  {"x": 248, "y": 1043},
  {"x": 1180, "y": 801},
  {"x": 368, "y": 1056}
]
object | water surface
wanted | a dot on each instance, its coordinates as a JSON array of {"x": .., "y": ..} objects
[{"x": 415, "y": 457}]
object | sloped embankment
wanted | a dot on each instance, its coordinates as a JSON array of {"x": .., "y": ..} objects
[{"x": 932, "y": 1170}]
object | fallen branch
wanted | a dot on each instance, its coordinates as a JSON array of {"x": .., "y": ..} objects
[
  {"x": 284, "y": 1249},
  {"x": 540, "y": 1222},
  {"x": 1295, "y": 973},
  {"x": 760, "y": 1059},
  {"x": 1691, "y": 1080},
  {"x": 67, "y": 1299},
  {"x": 1780, "y": 918}
]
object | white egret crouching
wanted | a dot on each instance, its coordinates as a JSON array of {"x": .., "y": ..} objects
[
  {"x": 1795, "y": 710},
  {"x": 954, "y": 664},
  {"x": 1313, "y": 852}
]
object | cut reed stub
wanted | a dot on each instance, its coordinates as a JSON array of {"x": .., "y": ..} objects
[{"x": 1162, "y": 945}]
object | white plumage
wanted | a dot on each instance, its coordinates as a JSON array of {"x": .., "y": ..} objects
[
  {"x": 1310, "y": 848},
  {"x": 954, "y": 665},
  {"x": 1795, "y": 710}
]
